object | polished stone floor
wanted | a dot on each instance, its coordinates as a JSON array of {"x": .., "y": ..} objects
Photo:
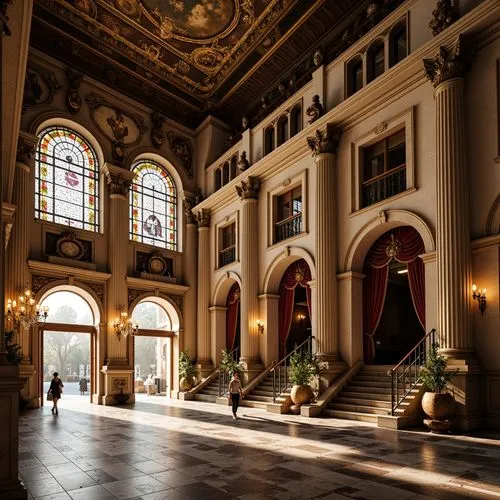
[{"x": 158, "y": 449}]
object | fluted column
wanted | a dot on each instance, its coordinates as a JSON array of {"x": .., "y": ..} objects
[
  {"x": 324, "y": 147},
  {"x": 446, "y": 71},
  {"x": 118, "y": 181},
  {"x": 249, "y": 301},
  {"x": 17, "y": 274},
  {"x": 190, "y": 272},
  {"x": 203, "y": 319}
]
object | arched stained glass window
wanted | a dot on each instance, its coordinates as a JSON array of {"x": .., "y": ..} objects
[
  {"x": 67, "y": 180},
  {"x": 153, "y": 206}
]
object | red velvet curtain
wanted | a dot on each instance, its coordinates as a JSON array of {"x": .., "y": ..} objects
[
  {"x": 233, "y": 306},
  {"x": 404, "y": 245},
  {"x": 297, "y": 274}
]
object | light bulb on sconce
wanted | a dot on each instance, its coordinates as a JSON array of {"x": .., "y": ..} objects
[
  {"x": 480, "y": 296},
  {"x": 260, "y": 326},
  {"x": 125, "y": 326},
  {"x": 301, "y": 317}
]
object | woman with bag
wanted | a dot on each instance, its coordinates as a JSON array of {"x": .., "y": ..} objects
[{"x": 55, "y": 391}]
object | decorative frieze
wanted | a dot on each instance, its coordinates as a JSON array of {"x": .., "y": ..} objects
[
  {"x": 324, "y": 142},
  {"x": 133, "y": 293},
  {"x": 449, "y": 63},
  {"x": 97, "y": 288},
  {"x": 249, "y": 190},
  {"x": 38, "y": 282},
  {"x": 203, "y": 218},
  {"x": 118, "y": 180},
  {"x": 443, "y": 16},
  {"x": 178, "y": 300}
]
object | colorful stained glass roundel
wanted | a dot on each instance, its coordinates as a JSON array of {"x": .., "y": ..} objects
[
  {"x": 153, "y": 206},
  {"x": 67, "y": 180}
]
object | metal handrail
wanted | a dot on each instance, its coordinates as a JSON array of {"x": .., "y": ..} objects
[
  {"x": 406, "y": 374},
  {"x": 281, "y": 382},
  {"x": 223, "y": 376}
]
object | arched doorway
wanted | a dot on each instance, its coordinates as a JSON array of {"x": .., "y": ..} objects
[
  {"x": 154, "y": 346},
  {"x": 233, "y": 318},
  {"x": 393, "y": 296},
  {"x": 68, "y": 343},
  {"x": 294, "y": 307}
]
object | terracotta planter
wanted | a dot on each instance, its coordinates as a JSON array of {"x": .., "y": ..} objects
[
  {"x": 438, "y": 406},
  {"x": 186, "y": 384},
  {"x": 301, "y": 394}
]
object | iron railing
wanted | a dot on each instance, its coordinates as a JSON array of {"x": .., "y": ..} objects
[
  {"x": 287, "y": 228},
  {"x": 227, "y": 256},
  {"x": 281, "y": 377},
  {"x": 384, "y": 186},
  {"x": 406, "y": 374},
  {"x": 225, "y": 377}
]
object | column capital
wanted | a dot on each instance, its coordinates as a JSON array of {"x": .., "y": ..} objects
[
  {"x": 249, "y": 190},
  {"x": 187, "y": 204},
  {"x": 449, "y": 62},
  {"x": 203, "y": 218},
  {"x": 26, "y": 147},
  {"x": 325, "y": 142},
  {"x": 118, "y": 180}
]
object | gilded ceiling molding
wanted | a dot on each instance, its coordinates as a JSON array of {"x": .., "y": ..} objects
[
  {"x": 249, "y": 190},
  {"x": 325, "y": 142},
  {"x": 447, "y": 64},
  {"x": 73, "y": 98},
  {"x": 181, "y": 148},
  {"x": 158, "y": 134},
  {"x": 118, "y": 180},
  {"x": 443, "y": 16},
  {"x": 203, "y": 218}
]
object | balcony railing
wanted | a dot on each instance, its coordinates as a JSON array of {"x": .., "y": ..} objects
[
  {"x": 384, "y": 186},
  {"x": 227, "y": 256},
  {"x": 287, "y": 228}
]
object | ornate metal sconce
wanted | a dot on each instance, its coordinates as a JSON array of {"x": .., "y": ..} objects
[
  {"x": 480, "y": 296},
  {"x": 260, "y": 327}
]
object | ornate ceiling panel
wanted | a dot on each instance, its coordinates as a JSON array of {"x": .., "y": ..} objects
[{"x": 192, "y": 53}]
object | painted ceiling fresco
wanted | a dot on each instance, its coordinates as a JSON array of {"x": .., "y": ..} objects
[{"x": 186, "y": 50}]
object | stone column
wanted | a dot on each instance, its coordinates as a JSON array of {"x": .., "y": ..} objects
[
  {"x": 190, "y": 274},
  {"x": 203, "y": 359},
  {"x": 446, "y": 72},
  {"x": 249, "y": 302},
  {"x": 17, "y": 274},
  {"x": 118, "y": 362}
]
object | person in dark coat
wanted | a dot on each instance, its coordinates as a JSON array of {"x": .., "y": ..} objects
[
  {"x": 56, "y": 390},
  {"x": 83, "y": 386}
]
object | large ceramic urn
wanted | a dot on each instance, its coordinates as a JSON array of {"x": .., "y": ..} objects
[
  {"x": 301, "y": 394},
  {"x": 186, "y": 384},
  {"x": 438, "y": 405}
]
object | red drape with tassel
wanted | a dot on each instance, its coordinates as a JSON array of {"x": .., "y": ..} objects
[
  {"x": 404, "y": 245},
  {"x": 233, "y": 306},
  {"x": 296, "y": 274}
]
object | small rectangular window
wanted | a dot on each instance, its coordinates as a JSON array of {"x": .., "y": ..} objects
[
  {"x": 289, "y": 215},
  {"x": 227, "y": 245}
]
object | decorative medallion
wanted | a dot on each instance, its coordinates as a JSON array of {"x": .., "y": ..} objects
[
  {"x": 86, "y": 6},
  {"x": 207, "y": 58},
  {"x": 69, "y": 246},
  {"x": 393, "y": 247},
  {"x": 157, "y": 264},
  {"x": 129, "y": 7},
  {"x": 299, "y": 274},
  {"x": 181, "y": 148}
]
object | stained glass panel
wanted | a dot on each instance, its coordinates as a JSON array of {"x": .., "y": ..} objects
[
  {"x": 153, "y": 206},
  {"x": 67, "y": 180}
]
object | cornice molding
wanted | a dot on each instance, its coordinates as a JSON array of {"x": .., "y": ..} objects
[
  {"x": 149, "y": 285},
  {"x": 59, "y": 271}
]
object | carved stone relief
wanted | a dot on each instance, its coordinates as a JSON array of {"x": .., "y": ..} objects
[
  {"x": 158, "y": 134},
  {"x": 133, "y": 294},
  {"x": 178, "y": 300},
  {"x": 40, "y": 85},
  {"x": 324, "y": 142},
  {"x": 443, "y": 16},
  {"x": 182, "y": 149},
  {"x": 98, "y": 288},
  {"x": 249, "y": 189},
  {"x": 243, "y": 163},
  {"x": 449, "y": 63},
  {"x": 38, "y": 282},
  {"x": 315, "y": 110},
  {"x": 73, "y": 97}
]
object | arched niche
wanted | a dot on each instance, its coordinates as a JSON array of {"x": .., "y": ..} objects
[{"x": 223, "y": 286}]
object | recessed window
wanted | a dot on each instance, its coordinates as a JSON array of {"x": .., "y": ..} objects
[
  {"x": 66, "y": 179},
  {"x": 354, "y": 75},
  {"x": 227, "y": 245},
  {"x": 218, "y": 179},
  {"x": 376, "y": 60},
  {"x": 268, "y": 140},
  {"x": 288, "y": 214},
  {"x": 398, "y": 44},
  {"x": 384, "y": 169},
  {"x": 282, "y": 130},
  {"x": 296, "y": 120}
]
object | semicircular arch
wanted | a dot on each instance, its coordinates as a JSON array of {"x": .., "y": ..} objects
[
  {"x": 223, "y": 286},
  {"x": 165, "y": 302}
]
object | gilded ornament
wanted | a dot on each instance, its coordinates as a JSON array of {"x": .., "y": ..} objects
[
  {"x": 69, "y": 246},
  {"x": 393, "y": 247},
  {"x": 249, "y": 190},
  {"x": 443, "y": 16},
  {"x": 326, "y": 142},
  {"x": 315, "y": 110}
]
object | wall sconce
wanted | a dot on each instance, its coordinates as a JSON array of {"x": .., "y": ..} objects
[
  {"x": 480, "y": 296},
  {"x": 124, "y": 326},
  {"x": 301, "y": 317},
  {"x": 260, "y": 327}
]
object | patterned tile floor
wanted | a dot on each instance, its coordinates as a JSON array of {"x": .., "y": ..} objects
[{"x": 174, "y": 450}]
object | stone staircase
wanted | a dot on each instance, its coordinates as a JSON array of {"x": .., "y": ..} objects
[
  {"x": 365, "y": 397},
  {"x": 262, "y": 394},
  {"x": 210, "y": 392}
]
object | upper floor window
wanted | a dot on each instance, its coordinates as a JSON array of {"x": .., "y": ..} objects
[
  {"x": 227, "y": 245},
  {"x": 354, "y": 75},
  {"x": 269, "y": 140},
  {"x": 288, "y": 214},
  {"x": 296, "y": 120},
  {"x": 398, "y": 44},
  {"x": 153, "y": 206},
  {"x": 282, "y": 130},
  {"x": 376, "y": 61},
  {"x": 384, "y": 169},
  {"x": 66, "y": 179}
]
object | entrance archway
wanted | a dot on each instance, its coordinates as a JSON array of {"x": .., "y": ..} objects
[
  {"x": 393, "y": 296},
  {"x": 294, "y": 307},
  {"x": 155, "y": 346},
  {"x": 233, "y": 318}
]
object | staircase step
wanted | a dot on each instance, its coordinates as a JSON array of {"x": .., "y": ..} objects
[
  {"x": 372, "y": 403},
  {"x": 372, "y": 378},
  {"x": 358, "y": 408},
  {"x": 260, "y": 392},
  {"x": 382, "y": 385},
  {"x": 366, "y": 395},
  {"x": 264, "y": 399},
  {"x": 254, "y": 404},
  {"x": 353, "y": 387},
  {"x": 351, "y": 415},
  {"x": 208, "y": 398}
]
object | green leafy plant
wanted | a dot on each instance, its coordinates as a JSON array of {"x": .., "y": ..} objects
[
  {"x": 434, "y": 374},
  {"x": 303, "y": 367},
  {"x": 14, "y": 351},
  {"x": 229, "y": 365},
  {"x": 186, "y": 367}
]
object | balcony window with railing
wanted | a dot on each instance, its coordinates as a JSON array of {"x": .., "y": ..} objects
[
  {"x": 384, "y": 169},
  {"x": 227, "y": 252},
  {"x": 289, "y": 215}
]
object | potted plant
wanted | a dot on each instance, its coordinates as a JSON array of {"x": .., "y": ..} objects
[
  {"x": 228, "y": 365},
  {"x": 14, "y": 352},
  {"x": 303, "y": 367},
  {"x": 187, "y": 371},
  {"x": 438, "y": 404}
]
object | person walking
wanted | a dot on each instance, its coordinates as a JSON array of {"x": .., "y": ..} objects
[
  {"x": 83, "y": 386},
  {"x": 56, "y": 390},
  {"x": 235, "y": 392}
]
